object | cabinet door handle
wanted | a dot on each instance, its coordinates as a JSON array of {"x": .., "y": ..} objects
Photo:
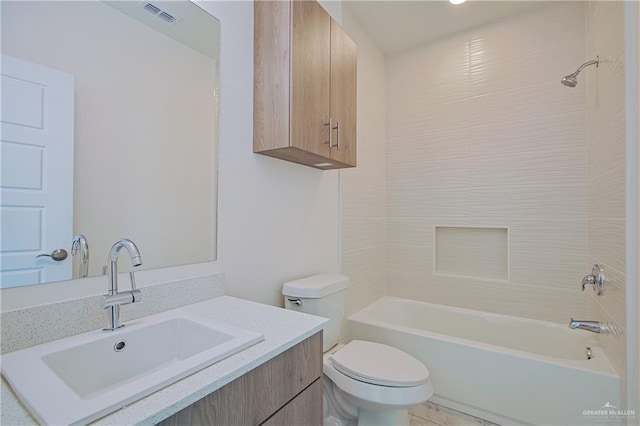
[
  {"x": 330, "y": 124},
  {"x": 337, "y": 128}
]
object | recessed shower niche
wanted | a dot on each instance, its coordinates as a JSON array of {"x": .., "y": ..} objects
[{"x": 479, "y": 252}]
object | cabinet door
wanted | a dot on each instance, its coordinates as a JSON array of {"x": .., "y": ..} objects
[
  {"x": 256, "y": 396},
  {"x": 310, "y": 82},
  {"x": 344, "y": 59}
]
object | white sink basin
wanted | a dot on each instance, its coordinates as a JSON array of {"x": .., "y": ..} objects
[{"x": 82, "y": 378}]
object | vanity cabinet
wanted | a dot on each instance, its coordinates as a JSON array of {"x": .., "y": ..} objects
[
  {"x": 305, "y": 70},
  {"x": 285, "y": 390}
]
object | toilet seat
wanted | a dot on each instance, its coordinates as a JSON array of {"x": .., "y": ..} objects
[
  {"x": 379, "y": 364},
  {"x": 372, "y": 396}
]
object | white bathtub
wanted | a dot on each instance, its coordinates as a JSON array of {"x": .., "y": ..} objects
[{"x": 505, "y": 369}]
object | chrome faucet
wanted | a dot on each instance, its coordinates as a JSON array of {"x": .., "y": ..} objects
[
  {"x": 80, "y": 244},
  {"x": 114, "y": 298},
  {"x": 593, "y": 326}
]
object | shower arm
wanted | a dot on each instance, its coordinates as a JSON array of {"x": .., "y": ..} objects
[{"x": 586, "y": 64}]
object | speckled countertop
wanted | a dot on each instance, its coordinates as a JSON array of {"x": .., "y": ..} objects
[{"x": 282, "y": 329}]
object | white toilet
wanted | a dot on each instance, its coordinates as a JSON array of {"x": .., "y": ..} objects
[{"x": 365, "y": 383}]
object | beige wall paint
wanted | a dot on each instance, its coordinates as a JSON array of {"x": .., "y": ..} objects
[
  {"x": 606, "y": 169},
  {"x": 482, "y": 134}
]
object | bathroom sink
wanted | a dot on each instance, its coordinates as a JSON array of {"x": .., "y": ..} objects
[{"x": 82, "y": 378}]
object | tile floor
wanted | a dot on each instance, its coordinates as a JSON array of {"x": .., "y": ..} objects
[{"x": 430, "y": 414}]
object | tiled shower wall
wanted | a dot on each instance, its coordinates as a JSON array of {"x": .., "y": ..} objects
[
  {"x": 363, "y": 188},
  {"x": 606, "y": 168},
  {"x": 481, "y": 134}
]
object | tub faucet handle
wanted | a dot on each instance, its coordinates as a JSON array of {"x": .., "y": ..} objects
[
  {"x": 596, "y": 278},
  {"x": 589, "y": 279}
]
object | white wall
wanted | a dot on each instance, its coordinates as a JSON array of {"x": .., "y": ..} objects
[
  {"x": 482, "y": 134},
  {"x": 277, "y": 220}
]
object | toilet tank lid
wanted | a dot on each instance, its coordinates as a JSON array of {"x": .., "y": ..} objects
[{"x": 316, "y": 286}]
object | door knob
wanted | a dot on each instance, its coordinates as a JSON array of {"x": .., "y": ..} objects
[{"x": 57, "y": 255}]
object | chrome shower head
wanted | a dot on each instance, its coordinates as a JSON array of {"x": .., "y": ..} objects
[{"x": 571, "y": 80}]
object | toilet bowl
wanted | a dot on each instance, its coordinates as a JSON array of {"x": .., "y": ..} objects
[
  {"x": 364, "y": 383},
  {"x": 373, "y": 383}
]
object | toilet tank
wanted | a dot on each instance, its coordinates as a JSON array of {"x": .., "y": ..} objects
[{"x": 323, "y": 295}]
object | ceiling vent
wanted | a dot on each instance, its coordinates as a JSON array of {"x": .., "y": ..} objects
[{"x": 162, "y": 14}]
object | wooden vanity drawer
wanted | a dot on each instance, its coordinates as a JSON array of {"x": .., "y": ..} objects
[
  {"x": 304, "y": 409},
  {"x": 255, "y": 397}
]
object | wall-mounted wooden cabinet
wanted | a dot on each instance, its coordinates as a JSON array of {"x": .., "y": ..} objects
[{"x": 304, "y": 101}]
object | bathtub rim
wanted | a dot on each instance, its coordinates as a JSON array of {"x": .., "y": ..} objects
[{"x": 599, "y": 363}]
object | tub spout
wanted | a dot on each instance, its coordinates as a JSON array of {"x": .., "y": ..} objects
[{"x": 593, "y": 326}]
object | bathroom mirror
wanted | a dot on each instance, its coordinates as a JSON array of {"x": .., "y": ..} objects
[{"x": 145, "y": 108}]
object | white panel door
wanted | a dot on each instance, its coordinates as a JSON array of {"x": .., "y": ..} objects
[{"x": 36, "y": 183}]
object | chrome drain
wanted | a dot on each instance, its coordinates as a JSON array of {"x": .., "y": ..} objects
[{"x": 119, "y": 347}]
